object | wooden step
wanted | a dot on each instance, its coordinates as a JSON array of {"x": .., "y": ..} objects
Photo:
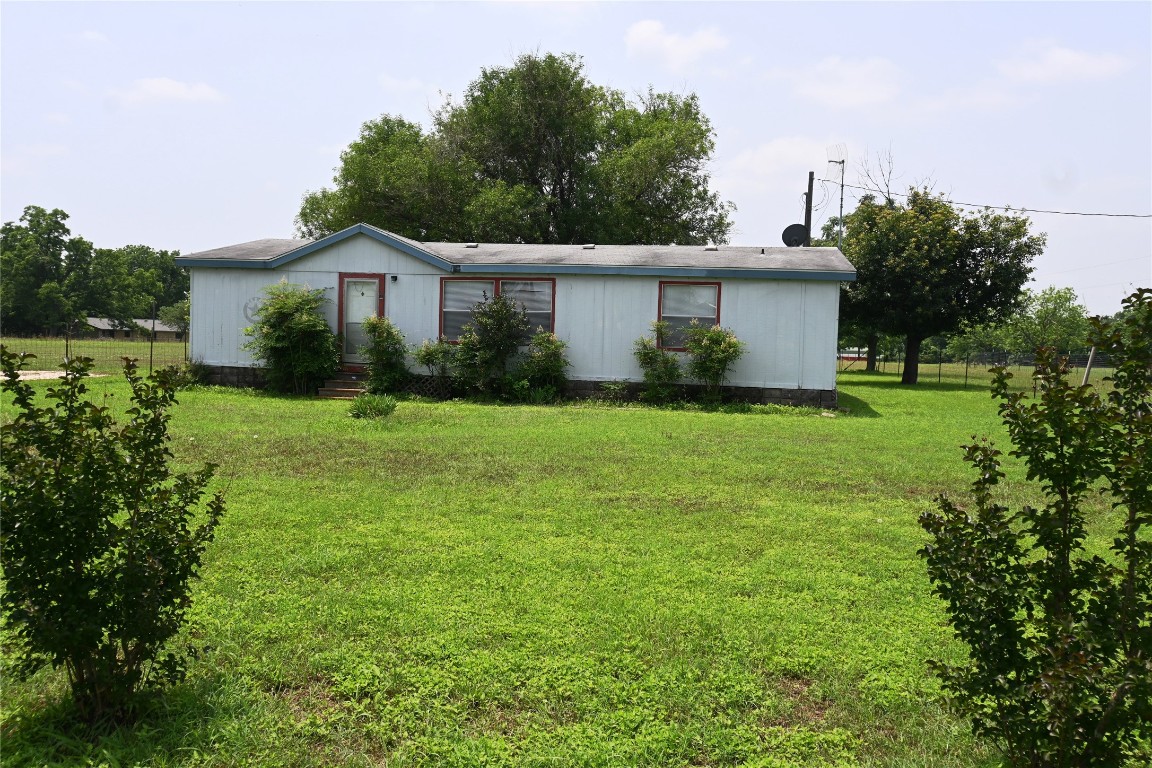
[{"x": 344, "y": 385}]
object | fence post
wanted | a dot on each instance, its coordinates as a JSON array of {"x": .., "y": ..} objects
[{"x": 152, "y": 336}]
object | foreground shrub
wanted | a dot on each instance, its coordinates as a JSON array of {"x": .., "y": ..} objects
[
  {"x": 541, "y": 376},
  {"x": 1060, "y": 642},
  {"x": 711, "y": 352},
  {"x": 661, "y": 367},
  {"x": 372, "y": 406},
  {"x": 386, "y": 353},
  {"x": 98, "y": 544},
  {"x": 490, "y": 339},
  {"x": 292, "y": 339}
]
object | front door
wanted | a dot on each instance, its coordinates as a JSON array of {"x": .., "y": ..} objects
[{"x": 361, "y": 298}]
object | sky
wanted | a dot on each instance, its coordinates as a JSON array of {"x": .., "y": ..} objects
[{"x": 191, "y": 126}]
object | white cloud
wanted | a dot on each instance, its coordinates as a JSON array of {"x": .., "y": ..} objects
[
  {"x": 92, "y": 36},
  {"x": 163, "y": 89},
  {"x": 1050, "y": 63},
  {"x": 397, "y": 84},
  {"x": 836, "y": 82},
  {"x": 780, "y": 163},
  {"x": 27, "y": 159},
  {"x": 678, "y": 52}
]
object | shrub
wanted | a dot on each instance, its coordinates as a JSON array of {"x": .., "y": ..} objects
[
  {"x": 386, "y": 353},
  {"x": 711, "y": 352},
  {"x": 543, "y": 368},
  {"x": 661, "y": 368},
  {"x": 1060, "y": 642},
  {"x": 292, "y": 339},
  {"x": 489, "y": 341},
  {"x": 437, "y": 356},
  {"x": 98, "y": 544},
  {"x": 372, "y": 406}
]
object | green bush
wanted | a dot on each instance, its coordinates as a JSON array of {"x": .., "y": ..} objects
[
  {"x": 711, "y": 352},
  {"x": 1059, "y": 667},
  {"x": 372, "y": 406},
  {"x": 98, "y": 545},
  {"x": 386, "y": 353},
  {"x": 661, "y": 368},
  {"x": 488, "y": 343},
  {"x": 541, "y": 376},
  {"x": 292, "y": 339}
]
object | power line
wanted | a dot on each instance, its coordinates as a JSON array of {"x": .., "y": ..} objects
[{"x": 1024, "y": 210}]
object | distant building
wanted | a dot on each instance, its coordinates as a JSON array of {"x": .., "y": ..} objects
[{"x": 140, "y": 329}]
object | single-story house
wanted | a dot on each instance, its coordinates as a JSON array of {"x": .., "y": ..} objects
[
  {"x": 141, "y": 328},
  {"x": 783, "y": 302}
]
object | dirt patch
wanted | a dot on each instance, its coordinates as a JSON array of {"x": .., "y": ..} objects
[
  {"x": 806, "y": 708},
  {"x": 41, "y": 375}
]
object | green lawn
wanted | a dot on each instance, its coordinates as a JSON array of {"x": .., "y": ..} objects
[{"x": 468, "y": 585}]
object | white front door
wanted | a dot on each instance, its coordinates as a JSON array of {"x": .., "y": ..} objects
[{"x": 361, "y": 300}]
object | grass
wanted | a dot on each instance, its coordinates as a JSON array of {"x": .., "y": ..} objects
[{"x": 469, "y": 585}]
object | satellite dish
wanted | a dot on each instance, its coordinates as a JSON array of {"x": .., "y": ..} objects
[{"x": 795, "y": 235}]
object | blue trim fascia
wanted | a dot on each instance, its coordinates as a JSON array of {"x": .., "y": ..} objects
[{"x": 586, "y": 269}]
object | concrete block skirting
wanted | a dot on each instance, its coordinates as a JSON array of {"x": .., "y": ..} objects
[
  {"x": 816, "y": 398},
  {"x": 236, "y": 376}
]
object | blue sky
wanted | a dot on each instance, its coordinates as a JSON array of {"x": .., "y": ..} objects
[{"x": 189, "y": 126}]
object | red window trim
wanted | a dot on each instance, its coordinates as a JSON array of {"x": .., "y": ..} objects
[
  {"x": 496, "y": 281},
  {"x": 660, "y": 303},
  {"x": 380, "y": 280}
]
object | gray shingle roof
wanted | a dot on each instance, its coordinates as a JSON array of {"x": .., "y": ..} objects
[
  {"x": 688, "y": 260},
  {"x": 257, "y": 250},
  {"x": 675, "y": 256}
]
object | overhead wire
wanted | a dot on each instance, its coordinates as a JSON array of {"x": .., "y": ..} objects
[{"x": 1021, "y": 210}]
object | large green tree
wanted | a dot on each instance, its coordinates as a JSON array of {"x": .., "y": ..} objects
[
  {"x": 53, "y": 280},
  {"x": 45, "y": 272},
  {"x": 924, "y": 268},
  {"x": 532, "y": 153},
  {"x": 1051, "y": 318}
]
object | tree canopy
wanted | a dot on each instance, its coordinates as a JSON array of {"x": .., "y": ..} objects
[
  {"x": 924, "y": 268},
  {"x": 1052, "y": 318},
  {"x": 52, "y": 279},
  {"x": 533, "y": 153}
]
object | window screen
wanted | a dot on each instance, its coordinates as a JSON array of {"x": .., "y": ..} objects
[
  {"x": 536, "y": 298},
  {"x": 459, "y": 298},
  {"x": 681, "y": 303}
]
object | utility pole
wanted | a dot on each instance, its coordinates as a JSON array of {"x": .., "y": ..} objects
[{"x": 808, "y": 210}]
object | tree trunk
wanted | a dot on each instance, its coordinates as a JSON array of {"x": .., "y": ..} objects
[
  {"x": 873, "y": 343},
  {"x": 911, "y": 360}
]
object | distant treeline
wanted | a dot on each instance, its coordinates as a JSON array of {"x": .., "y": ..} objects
[{"x": 52, "y": 280}]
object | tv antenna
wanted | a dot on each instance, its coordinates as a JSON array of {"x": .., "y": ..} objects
[{"x": 840, "y": 235}]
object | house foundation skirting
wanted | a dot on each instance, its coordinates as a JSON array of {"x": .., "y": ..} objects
[
  {"x": 816, "y": 398},
  {"x": 238, "y": 376}
]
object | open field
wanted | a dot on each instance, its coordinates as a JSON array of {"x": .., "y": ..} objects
[
  {"x": 468, "y": 585},
  {"x": 105, "y": 353}
]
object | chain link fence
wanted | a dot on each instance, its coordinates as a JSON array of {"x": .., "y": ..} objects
[{"x": 975, "y": 370}]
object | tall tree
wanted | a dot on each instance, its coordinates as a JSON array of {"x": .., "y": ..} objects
[
  {"x": 46, "y": 273},
  {"x": 535, "y": 153},
  {"x": 923, "y": 268},
  {"x": 52, "y": 280}
]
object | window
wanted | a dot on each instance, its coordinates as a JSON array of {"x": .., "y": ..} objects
[
  {"x": 458, "y": 296},
  {"x": 681, "y": 303}
]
